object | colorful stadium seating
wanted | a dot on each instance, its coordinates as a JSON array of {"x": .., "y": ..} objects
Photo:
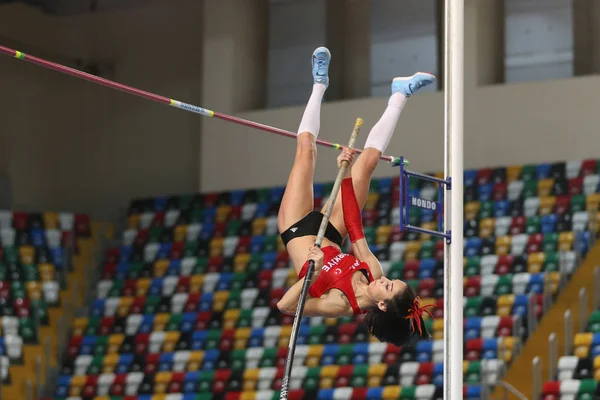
[{"x": 186, "y": 306}]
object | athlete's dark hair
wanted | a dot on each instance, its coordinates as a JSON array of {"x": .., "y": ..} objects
[{"x": 402, "y": 323}]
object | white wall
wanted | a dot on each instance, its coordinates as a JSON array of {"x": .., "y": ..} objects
[{"x": 504, "y": 124}]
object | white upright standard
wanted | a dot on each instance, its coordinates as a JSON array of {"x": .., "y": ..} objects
[{"x": 453, "y": 199}]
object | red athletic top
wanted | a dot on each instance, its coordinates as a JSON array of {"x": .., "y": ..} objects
[{"x": 336, "y": 273}]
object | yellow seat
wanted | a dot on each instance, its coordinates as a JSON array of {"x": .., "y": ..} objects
[
  {"x": 472, "y": 210},
  {"x": 371, "y": 202},
  {"x": 554, "y": 278},
  {"x": 180, "y": 233},
  {"x": 47, "y": 272},
  {"x": 258, "y": 226},
  {"x": 582, "y": 343},
  {"x": 240, "y": 262},
  {"x": 592, "y": 201},
  {"x": 222, "y": 214},
  {"x": 216, "y": 246},
  {"x": 241, "y": 337},
  {"x": 513, "y": 173},
  {"x": 438, "y": 329},
  {"x": 220, "y": 300},
  {"x": 133, "y": 221},
  {"x": 382, "y": 234},
  {"x": 504, "y": 305},
  {"x": 313, "y": 356},
  {"x": 544, "y": 187},
  {"x": 465, "y": 366},
  {"x": 280, "y": 245},
  {"x": 170, "y": 342},
  {"x": 328, "y": 374},
  {"x": 124, "y": 306},
  {"x": 330, "y": 321},
  {"x": 506, "y": 347},
  {"x": 161, "y": 396},
  {"x": 142, "y": 286},
  {"x": 114, "y": 342},
  {"x": 77, "y": 383},
  {"x": 597, "y": 363},
  {"x": 597, "y": 375},
  {"x": 161, "y": 267},
  {"x": 565, "y": 241},
  {"x": 547, "y": 205},
  {"x": 432, "y": 226},
  {"x": 109, "y": 363},
  {"x": 196, "y": 283},
  {"x": 102, "y": 398},
  {"x": 230, "y": 318},
  {"x": 503, "y": 244},
  {"x": 535, "y": 262},
  {"x": 50, "y": 220},
  {"x": 486, "y": 227},
  {"x": 195, "y": 360},
  {"x": 284, "y": 335},
  {"x": 79, "y": 326},
  {"x": 160, "y": 321},
  {"x": 248, "y": 395},
  {"x": 34, "y": 290},
  {"x": 391, "y": 392},
  {"x": 412, "y": 250},
  {"x": 251, "y": 376},
  {"x": 291, "y": 278},
  {"x": 375, "y": 374},
  {"x": 27, "y": 254},
  {"x": 161, "y": 380}
]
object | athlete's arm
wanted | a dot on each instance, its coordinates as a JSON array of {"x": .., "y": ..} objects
[
  {"x": 289, "y": 301},
  {"x": 313, "y": 307}
]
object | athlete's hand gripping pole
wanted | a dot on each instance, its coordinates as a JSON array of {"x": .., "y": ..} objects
[{"x": 311, "y": 267}]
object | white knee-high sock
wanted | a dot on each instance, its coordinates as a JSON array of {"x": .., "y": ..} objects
[
  {"x": 382, "y": 132},
  {"x": 311, "y": 120}
]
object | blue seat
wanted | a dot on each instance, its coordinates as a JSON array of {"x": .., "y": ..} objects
[
  {"x": 209, "y": 215},
  {"x": 269, "y": 260},
  {"x": 485, "y": 191},
  {"x": 319, "y": 190},
  {"x": 426, "y": 268},
  {"x": 87, "y": 345},
  {"x": 276, "y": 194},
  {"x": 256, "y": 337},
  {"x": 543, "y": 171},
  {"x": 304, "y": 333},
  {"x": 122, "y": 271},
  {"x": 237, "y": 197},
  {"x": 165, "y": 362},
  {"x": 98, "y": 308},
  {"x": 262, "y": 210},
  {"x": 470, "y": 177},
  {"x": 199, "y": 340},
  {"x": 190, "y": 396},
  {"x": 144, "y": 397},
  {"x": 207, "y": 231},
  {"x": 206, "y": 301},
  {"x": 473, "y": 327},
  {"x": 325, "y": 394},
  {"x": 156, "y": 286},
  {"x": 548, "y": 223},
  {"x": 427, "y": 215},
  {"x": 472, "y": 246},
  {"x": 125, "y": 253},
  {"x": 473, "y": 392},
  {"x": 38, "y": 237},
  {"x": 174, "y": 268},
  {"x": 147, "y": 324},
  {"x": 187, "y": 322},
  {"x": 521, "y": 305},
  {"x": 257, "y": 243},
  {"x": 582, "y": 239},
  {"x": 125, "y": 361},
  {"x": 58, "y": 256},
  {"x": 2, "y": 348},
  {"x": 360, "y": 353},
  {"x": 375, "y": 393},
  {"x": 62, "y": 385},
  {"x": 385, "y": 185},
  {"x": 330, "y": 352},
  {"x": 160, "y": 203},
  {"x": 490, "y": 349},
  {"x": 210, "y": 359},
  {"x": 536, "y": 283},
  {"x": 501, "y": 208},
  {"x": 225, "y": 279},
  {"x": 424, "y": 351},
  {"x": 190, "y": 381},
  {"x": 164, "y": 250},
  {"x": 438, "y": 374}
]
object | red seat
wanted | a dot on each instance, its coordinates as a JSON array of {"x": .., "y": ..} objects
[
  {"x": 112, "y": 255},
  {"x": 551, "y": 388},
  {"x": 20, "y": 220},
  {"x": 424, "y": 373},
  {"x": 220, "y": 229},
  {"x": 359, "y": 393},
  {"x": 106, "y": 325},
  {"x": 576, "y": 185},
  {"x": 236, "y": 212},
  {"x": 118, "y": 386},
  {"x": 438, "y": 310},
  {"x": 539, "y": 304},
  {"x": 473, "y": 286},
  {"x": 141, "y": 237},
  {"x": 534, "y": 244},
  {"x": 243, "y": 245},
  {"x": 504, "y": 265},
  {"x": 287, "y": 319},
  {"x": 233, "y": 396},
  {"x": 297, "y": 394},
  {"x": 500, "y": 190},
  {"x": 158, "y": 220},
  {"x": 276, "y": 384},
  {"x": 396, "y": 235},
  {"x": 177, "y": 249},
  {"x": 426, "y": 287},
  {"x": 192, "y": 302},
  {"x": 505, "y": 326},
  {"x": 346, "y": 332},
  {"x": 138, "y": 305},
  {"x": 411, "y": 269},
  {"x": 391, "y": 355},
  {"x": 210, "y": 199},
  {"x": 83, "y": 227},
  {"x": 151, "y": 363},
  {"x": 281, "y": 357},
  {"x": 227, "y": 338},
  {"x": 202, "y": 320},
  {"x": 89, "y": 390},
  {"x": 484, "y": 176},
  {"x": 276, "y": 295},
  {"x": 562, "y": 205},
  {"x": 22, "y": 307},
  {"x": 473, "y": 349},
  {"x": 109, "y": 270},
  {"x": 439, "y": 250},
  {"x": 74, "y": 345},
  {"x": 344, "y": 375},
  {"x": 517, "y": 225},
  {"x": 588, "y": 167},
  {"x": 282, "y": 260},
  {"x": 265, "y": 278},
  {"x": 183, "y": 284},
  {"x": 129, "y": 288},
  {"x": 4, "y": 290},
  {"x": 215, "y": 264},
  {"x": 176, "y": 384},
  {"x": 141, "y": 343}
]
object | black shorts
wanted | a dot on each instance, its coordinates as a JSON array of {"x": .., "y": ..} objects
[{"x": 309, "y": 226}]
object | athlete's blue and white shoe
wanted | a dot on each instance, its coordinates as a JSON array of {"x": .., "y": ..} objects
[
  {"x": 412, "y": 84},
  {"x": 320, "y": 65}
]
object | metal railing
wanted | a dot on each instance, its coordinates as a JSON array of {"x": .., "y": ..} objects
[
  {"x": 583, "y": 310},
  {"x": 536, "y": 381},
  {"x": 552, "y": 355},
  {"x": 568, "y": 333}
]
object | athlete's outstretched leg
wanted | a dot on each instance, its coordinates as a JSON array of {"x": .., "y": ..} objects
[
  {"x": 378, "y": 140},
  {"x": 298, "y": 199}
]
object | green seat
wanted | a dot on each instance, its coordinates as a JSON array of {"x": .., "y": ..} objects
[
  {"x": 427, "y": 249},
  {"x": 27, "y": 330},
  {"x": 174, "y": 323},
  {"x": 551, "y": 262},
  {"x": 3, "y": 274},
  {"x": 472, "y": 306},
  {"x": 360, "y": 375},
  {"x": 245, "y": 320},
  {"x": 155, "y": 234},
  {"x": 92, "y": 326},
  {"x": 311, "y": 379},
  {"x": 316, "y": 334},
  {"x": 185, "y": 202},
  {"x": 530, "y": 188},
  {"x": 31, "y": 273},
  {"x": 269, "y": 357},
  {"x": 95, "y": 367},
  {"x": 408, "y": 393},
  {"x": 370, "y": 234},
  {"x": 473, "y": 373},
  {"x": 204, "y": 396},
  {"x": 328, "y": 188},
  {"x": 504, "y": 285},
  {"x": 429, "y": 324},
  {"x": 233, "y": 227},
  {"x": 237, "y": 283},
  {"x": 135, "y": 270},
  {"x": 201, "y": 266},
  {"x": 413, "y": 283},
  {"x": 413, "y": 183},
  {"x": 151, "y": 304},
  {"x": 117, "y": 288},
  {"x": 374, "y": 186},
  {"x": 533, "y": 225},
  {"x": 529, "y": 172},
  {"x": 235, "y": 299},
  {"x": 213, "y": 339},
  {"x": 11, "y": 254},
  {"x": 238, "y": 360},
  {"x": 486, "y": 210},
  {"x": 414, "y": 216},
  {"x": 396, "y": 270},
  {"x": 206, "y": 380},
  {"x": 190, "y": 249},
  {"x": 271, "y": 243},
  {"x": 255, "y": 263},
  {"x": 587, "y": 387},
  {"x": 17, "y": 290},
  {"x": 40, "y": 308},
  {"x": 344, "y": 356},
  {"x": 263, "y": 195},
  {"x": 594, "y": 322},
  {"x": 473, "y": 266},
  {"x": 550, "y": 242},
  {"x": 578, "y": 203},
  {"x": 345, "y": 320},
  {"x": 197, "y": 216},
  {"x": 101, "y": 345}
]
